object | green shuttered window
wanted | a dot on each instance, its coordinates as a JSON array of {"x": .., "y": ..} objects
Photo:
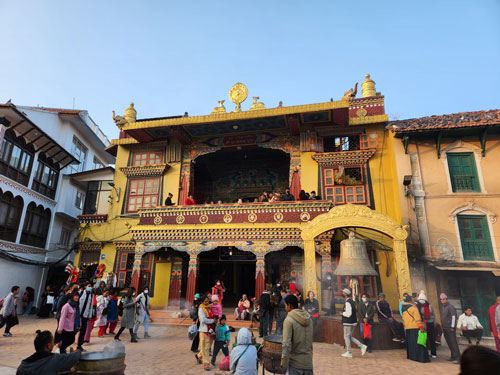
[
  {"x": 463, "y": 173},
  {"x": 475, "y": 237}
]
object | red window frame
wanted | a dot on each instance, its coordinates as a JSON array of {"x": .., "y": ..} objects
[
  {"x": 143, "y": 193},
  {"x": 367, "y": 141},
  {"x": 143, "y": 158},
  {"x": 146, "y": 265},
  {"x": 342, "y": 194}
]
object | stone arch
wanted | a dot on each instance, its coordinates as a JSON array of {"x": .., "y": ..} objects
[{"x": 350, "y": 215}]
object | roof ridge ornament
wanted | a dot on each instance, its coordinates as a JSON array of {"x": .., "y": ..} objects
[
  {"x": 257, "y": 105},
  {"x": 238, "y": 94},
  {"x": 129, "y": 117},
  {"x": 220, "y": 108}
]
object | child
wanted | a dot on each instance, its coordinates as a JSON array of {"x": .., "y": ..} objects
[
  {"x": 216, "y": 310},
  {"x": 222, "y": 338},
  {"x": 255, "y": 313}
]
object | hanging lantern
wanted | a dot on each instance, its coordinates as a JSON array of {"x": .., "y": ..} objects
[{"x": 354, "y": 259}]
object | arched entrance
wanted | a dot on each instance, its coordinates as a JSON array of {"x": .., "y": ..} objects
[{"x": 350, "y": 215}]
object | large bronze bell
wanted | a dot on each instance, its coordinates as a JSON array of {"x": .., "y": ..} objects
[{"x": 354, "y": 259}]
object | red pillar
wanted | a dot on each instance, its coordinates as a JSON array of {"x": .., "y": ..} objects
[
  {"x": 192, "y": 277},
  {"x": 136, "y": 271},
  {"x": 260, "y": 276}
]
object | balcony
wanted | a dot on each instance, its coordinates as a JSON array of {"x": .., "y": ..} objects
[
  {"x": 463, "y": 183},
  {"x": 92, "y": 219},
  {"x": 267, "y": 212}
]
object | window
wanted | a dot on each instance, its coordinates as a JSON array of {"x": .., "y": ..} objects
[
  {"x": 463, "y": 174},
  {"x": 344, "y": 184},
  {"x": 368, "y": 141},
  {"x": 16, "y": 158},
  {"x": 97, "y": 163},
  {"x": 65, "y": 237},
  {"x": 125, "y": 269},
  {"x": 36, "y": 226},
  {"x": 147, "y": 158},
  {"x": 79, "y": 199},
  {"x": 79, "y": 151},
  {"x": 475, "y": 237},
  {"x": 45, "y": 179},
  {"x": 309, "y": 141},
  {"x": 10, "y": 214},
  {"x": 143, "y": 194}
]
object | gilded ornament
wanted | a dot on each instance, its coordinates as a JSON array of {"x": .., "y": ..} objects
[
  {"x": 278, "y": 217},
  {"x": 252, "y": 218},
  {"x": 227, "y": 218},
  {"x": 368, "y": 87},
  {"x": 179, "y": 219},
  {"x": 257, "y": 105},
  {"x": 351, "y": 93},
  {"x": 203, "y": 219},
  {"x": 238, "y": 94},
  {"x": 361, "y": 112},
  {"x": 157, "y": 220},
  {"x": 305, "y": 216},
  {"x": 220, "y": 108}
]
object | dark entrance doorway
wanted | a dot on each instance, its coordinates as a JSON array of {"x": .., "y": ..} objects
[
  {"x": 228, "y": 175},
  {"x": 234, "y": 267}
]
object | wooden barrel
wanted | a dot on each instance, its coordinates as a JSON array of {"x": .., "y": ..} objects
[{"x": 271, "y": 354}]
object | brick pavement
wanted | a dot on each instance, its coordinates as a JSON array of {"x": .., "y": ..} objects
[{"x": 168, "y": 353}]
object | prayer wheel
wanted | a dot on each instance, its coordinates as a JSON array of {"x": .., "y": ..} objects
[
  {"x": 270, "y": 354},
  {"x": 354, "y": 258}
]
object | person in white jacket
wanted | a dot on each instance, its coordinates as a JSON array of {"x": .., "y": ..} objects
[
  {"x": 470, "y": 326},
  {"x": 243, "y": 358},
  {"x": 142, "y": 308}
]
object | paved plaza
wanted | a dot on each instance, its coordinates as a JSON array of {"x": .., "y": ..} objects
[{"x": 168, "y": 353}]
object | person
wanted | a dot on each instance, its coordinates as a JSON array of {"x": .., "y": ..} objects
[
  {"x": 28, "y": 300},
  {"x": 448, "y": 323},
  {"x": 255, "y": 317},
  {"x": 243, "y": 358},
  {"x": 328, "y": 286},
  {"x": 112, "y": 317},
  {"x": 299, "y": 297},
  {"x": 477, "y": 360},
  {"x": 102, "y": 312},
  {"x": 100, "y": 289},
  {"x": 91, "y": 321},
  {"x": 264, "y": 313},
  {"x": 287, "y": 196},
  {"x": 205, "y": 318},
  {"x": 303, "y": 196},
  {"x": 193, "y": 313},
  {"x": 470, "y": 326},
  {"x": 218, "y": 290},
  {"x": 413, "y": 324},
  {"x": 242, "y": 312},
  {"x": 69, "y": 323},
  {"x": 168, "y": 201},
  {"x": 222, "y": 339},
  {"x": 428, "y": 320},
  {"x": 366, "y": 313},
  {"x": 142, "y": 307},
  {"x": 312, "y": 307},
  {"x": 297, "y": 349},
  {"x": 350, "y": 321},
  {"x": 276, "y": 289},
  {"x": 8, "y": 312},
  {"x": 43, "y": 361},
  {"x": 86, "y": 312},
  {"x": 292, "y": 286},
  {"x": 282, "y": 313},
  {"x": 128, "y": 316},
  {"x": 385, "y": 316},
  {"x": 492, "y": 326},
  {"x": 47, "y": 302},
  {"x": 190, "y": 201},
  {"x": 216, "y": 308},
  {"x": 314, "y": 196}
]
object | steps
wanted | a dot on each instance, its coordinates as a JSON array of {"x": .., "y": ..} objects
[{"x": 181, "y": 318}]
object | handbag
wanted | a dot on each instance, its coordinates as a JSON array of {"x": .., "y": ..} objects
[
  {"x": 224, "y": 364},
  {"x": 367, "y": 331},
  {"x": 422, "y": 338},
  {"x": 192, "y": 331},
  {"x": 105, "y": 311}
]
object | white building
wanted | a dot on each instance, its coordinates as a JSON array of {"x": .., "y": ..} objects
[{"x": 39, "y": 201}]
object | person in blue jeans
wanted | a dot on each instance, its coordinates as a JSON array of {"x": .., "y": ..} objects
[{"x": 222, "y": 339}]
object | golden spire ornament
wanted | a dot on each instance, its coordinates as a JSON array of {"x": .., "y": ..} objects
[{"x": 238, "y": 94}]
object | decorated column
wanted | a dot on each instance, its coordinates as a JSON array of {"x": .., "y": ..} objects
[
  {"x": 324, "y": 249},
  {"x": 192, "y": 274},
  {"x": 401, "y": 257},
  {"x": 260, "y": 275},
  {"x": 309, "y": 272},
  {"x": 136, "y": 270}
]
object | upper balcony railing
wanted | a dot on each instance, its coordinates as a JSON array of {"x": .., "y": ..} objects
[{"x": 265, "y": 212}]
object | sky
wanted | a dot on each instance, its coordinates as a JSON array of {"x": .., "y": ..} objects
[{"x": 168, "y": 57}]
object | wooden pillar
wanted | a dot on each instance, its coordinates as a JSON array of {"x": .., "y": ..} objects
[
  {"x": 309, "y": 272},
  {"x": 136, "y": 270},
  {"x": 402, "y": 267},
  {"x": 325, "y": 251},
  {"x": 192, "y": 276},
  {"x": 260, "y": 275}
]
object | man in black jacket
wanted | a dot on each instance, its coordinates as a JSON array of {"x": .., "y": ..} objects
[
  {"x": 449, "y": 323},
  {"x": 349, "y": 321},
  {"x": 366, "y": 313},
  {"x": 265, "y": 313}
]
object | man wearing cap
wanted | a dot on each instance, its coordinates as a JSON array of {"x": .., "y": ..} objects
[
  {"x": 384, "y": 313},
  {"x": 449, "y": 322},
  {"x": 350, "y": 321},
  {"x": 193, "y": 314}
]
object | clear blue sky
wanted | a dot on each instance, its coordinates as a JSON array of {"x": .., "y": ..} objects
[{"x": 427, "y": 57}]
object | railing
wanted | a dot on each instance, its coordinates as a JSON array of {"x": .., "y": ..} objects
[
  {"x": 464, "y": 182},
  {"x": 477, "y": 251},
  {"x": 92, "y": 219}
]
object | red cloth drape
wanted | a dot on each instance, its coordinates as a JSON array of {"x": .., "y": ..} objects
[
  {"x": 259, "y": 285},
  {"x": 183, "y": 194},
  {"x": 295, "y": 185}
]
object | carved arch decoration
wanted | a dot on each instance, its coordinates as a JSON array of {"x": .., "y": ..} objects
[
  {"x": 471, "y": 206},
  {"x": 350, "y": 215}
]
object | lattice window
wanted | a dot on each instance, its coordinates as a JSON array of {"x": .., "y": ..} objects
[
  {"x": 147, "y": 158},
  {"x": 143, "y": 194}
]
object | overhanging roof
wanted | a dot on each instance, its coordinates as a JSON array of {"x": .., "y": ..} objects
[{"x": 32, "y": 134}]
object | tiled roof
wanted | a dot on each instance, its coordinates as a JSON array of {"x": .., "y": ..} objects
[
  {"x": 453, "y": 121},
  {"x": 62, "y": 111}
]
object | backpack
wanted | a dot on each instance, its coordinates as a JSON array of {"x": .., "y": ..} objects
[
  {"x": 54, "y": 305},
  {"x": 1, "y": 302},
  {"x": 193, "y": 313},
  {"x": 120, "y": 308}
]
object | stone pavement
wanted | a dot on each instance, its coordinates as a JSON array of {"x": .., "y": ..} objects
[{"x": 168, "y": 353}]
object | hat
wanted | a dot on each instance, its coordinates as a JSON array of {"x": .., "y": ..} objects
[
  {"x": 422, "y": 295},
  {"x": 346, "y": 291},
  {"x": 381, "y": 295},
  {"x": 197, "y": 295},
  {"x": 443, "y": 296},
  {"x": 215, "y": 297}
]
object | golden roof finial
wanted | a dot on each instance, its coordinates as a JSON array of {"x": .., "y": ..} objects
[
  {"x": 238, "y": 94},
  {"x": 368, "y": 87},
  {"x": 130, "y": 113}
]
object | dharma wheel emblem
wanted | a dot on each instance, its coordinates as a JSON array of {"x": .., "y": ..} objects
[
  {"x": 252, "y": 218},
  {"x": 304, "y": 216},
  {"x": 157, "y": 220},
  {"x": 203, "y": 219},
  {"x": 238, "y": 94},
  {"x": 278, "y": 216},
  {"x": 228, "y": 218},
  {"x": 179, "y": 219}
]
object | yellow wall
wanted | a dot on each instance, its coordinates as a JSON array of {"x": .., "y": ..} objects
[
  {"x": 161, "y": 284},
  {"x": 309, "y": 173}
]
